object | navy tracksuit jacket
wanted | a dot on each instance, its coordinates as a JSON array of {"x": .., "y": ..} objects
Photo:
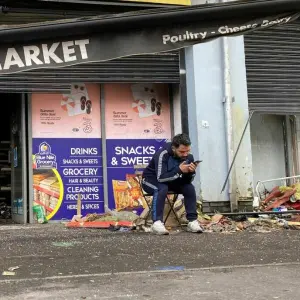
[{"x": 162, "y": 175}]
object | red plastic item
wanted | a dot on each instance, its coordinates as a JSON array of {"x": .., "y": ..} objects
[{"x": 98, "y": 224}]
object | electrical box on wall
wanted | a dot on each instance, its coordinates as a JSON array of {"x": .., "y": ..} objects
[{"x": 205, "y": 124}]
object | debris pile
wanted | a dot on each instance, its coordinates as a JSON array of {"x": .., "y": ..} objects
[
  {"x": 282, "y": 198},
  {"x": 124, "y": 221},
  {"x": 110, "y": 219},
  {"x": 221, "y": 224}
]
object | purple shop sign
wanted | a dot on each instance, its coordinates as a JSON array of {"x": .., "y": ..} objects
[
  {"x": 123, "y": 155},
  {"x": 73, "y": 165}
]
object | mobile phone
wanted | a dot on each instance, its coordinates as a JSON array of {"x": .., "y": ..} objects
[{"x": 196, "y": 162}]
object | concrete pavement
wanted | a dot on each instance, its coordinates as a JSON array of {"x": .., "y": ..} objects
[{"x": 59, "y": 263}]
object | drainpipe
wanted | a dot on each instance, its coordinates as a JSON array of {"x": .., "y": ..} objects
[{"x": 228, "y": 120}]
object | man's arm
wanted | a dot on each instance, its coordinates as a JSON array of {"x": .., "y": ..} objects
[{"x": 161, "y": 167}]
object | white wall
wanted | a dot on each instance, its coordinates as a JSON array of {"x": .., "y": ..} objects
[
  {"x": 206, "y": 95},
  {"x": 240, "y": 115},
  {"x": 268, "y": 154},
  {"x": 176, "y": 109},
  {"x": 204, "y": 71}
]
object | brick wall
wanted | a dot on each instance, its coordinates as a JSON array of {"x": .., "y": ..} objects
[{"x": 224, "y": 206}]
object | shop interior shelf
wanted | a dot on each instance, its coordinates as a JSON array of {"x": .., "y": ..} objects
[
  {"x": 48, "y": 192},
  {"x": 42, "y": 204},
  {"x": 5, "y": 188}
]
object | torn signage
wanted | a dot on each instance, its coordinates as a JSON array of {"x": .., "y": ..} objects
[
  {"x": 173, "y": 2},
  {"x": 108, "y": 45}
]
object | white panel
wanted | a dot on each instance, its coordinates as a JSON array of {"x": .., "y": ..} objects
[
  {"x": 176, "y": 109},
  {"x": 267, "y": 148}
]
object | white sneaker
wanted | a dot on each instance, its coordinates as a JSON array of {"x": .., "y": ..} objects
[
  {"x": 194, "y": 227},
  {"x": 159, "y": 228}
]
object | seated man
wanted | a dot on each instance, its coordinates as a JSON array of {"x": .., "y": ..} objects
[{"x": 172, "y": 168}]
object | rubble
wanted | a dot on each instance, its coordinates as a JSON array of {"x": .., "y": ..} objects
[
  {"x": 282, "y": 198},
  {"x": 261, "y": 224},
  {"x": 96, "y": 217},
  {"x": 126, "y": 221},
  {"x": 5, "y": 211},
  {"x": 110, "y": 219}
]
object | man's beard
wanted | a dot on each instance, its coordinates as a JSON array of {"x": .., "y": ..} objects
[{"x": 183, "y": 158}]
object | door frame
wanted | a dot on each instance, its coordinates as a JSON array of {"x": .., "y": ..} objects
[
  {"x": 21, "y": 219},
  {"x": 30, "y": 170}
]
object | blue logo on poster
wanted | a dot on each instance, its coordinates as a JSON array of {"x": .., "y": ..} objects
[
  {"x": 45, "y": 159},
  {"x": 163, "y": 140}
]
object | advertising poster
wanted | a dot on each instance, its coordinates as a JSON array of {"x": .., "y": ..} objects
[
  {"x": 137, "y": 124},
  {"x": 67, "y": 152}
]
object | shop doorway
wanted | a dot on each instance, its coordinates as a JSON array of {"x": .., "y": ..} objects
[
  {"x": 13, "y": 165},
  {"x": 268, "y": 148}
]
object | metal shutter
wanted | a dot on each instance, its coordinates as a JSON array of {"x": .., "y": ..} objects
[
  {"x": 156, "y": 68},
  {"x": 273, "y": 69}
]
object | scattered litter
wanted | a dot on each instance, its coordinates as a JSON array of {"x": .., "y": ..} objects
[
  {"x": 281, "y": 198},
  {"x": 227, "y": 225},
  {"x": 267, "y": 217},
  {"x": 278, "y": 200},
  {"x": 144, "y": 228},
  {"x": 13, "y": 268},
  {"x": 122, "y": 215},
  {"x": 66, "y": 244},
  {"x": 124, "y": 229},
  {"x": 112, "y": 220},
  {"x": 97, "y": 217},
  {"x": 8, "y": 273},
  {"x": 239, "y": 218},
  {"x": 119, "y": 228},
  {"x": 40, "y": 214}
]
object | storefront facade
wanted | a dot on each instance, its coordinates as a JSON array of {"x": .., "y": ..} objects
[
  {"x": 83, "y": 130},
  {"x": 88, "y": 116},
  {"x": 80, "y": 130},
  {"x": 87, "y": 143}
]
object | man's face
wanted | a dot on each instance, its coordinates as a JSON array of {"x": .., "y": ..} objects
[{"x": 182, "y": 151}]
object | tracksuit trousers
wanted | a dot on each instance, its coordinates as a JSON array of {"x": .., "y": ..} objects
[{"x": 159, "y": 192}]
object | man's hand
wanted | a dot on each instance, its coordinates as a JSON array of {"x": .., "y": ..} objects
[
  {"x": 193, "y": 167},
  {"x": 184, "y": 167}
]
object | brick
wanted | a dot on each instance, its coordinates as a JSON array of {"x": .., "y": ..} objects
[
  {"x": 207, "y": 210},
  {"x": 219, "y": 204}
]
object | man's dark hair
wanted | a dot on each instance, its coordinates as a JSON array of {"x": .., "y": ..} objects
[{"x": 181, "y": 139}]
